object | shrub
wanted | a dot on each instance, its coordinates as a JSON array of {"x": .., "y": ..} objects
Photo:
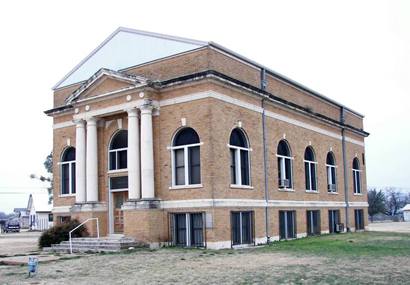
[{"x": 59, "y": 233}]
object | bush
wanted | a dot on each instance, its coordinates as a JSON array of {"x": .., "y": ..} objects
[{"x": 60, "y": 233}]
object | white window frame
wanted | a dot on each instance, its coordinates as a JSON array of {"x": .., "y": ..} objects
[
  {"x": 238, "y": 173},
  {"x": 116, "y": 160},
  {"x": 329, "y": 168},
  {"x": 357, "y": 182},
  {"x": 186, "y": 168},
  {"x": 70, "y": 178},
  {"x": 283, "y": 171},
  {"x": 310, "y": 163}
]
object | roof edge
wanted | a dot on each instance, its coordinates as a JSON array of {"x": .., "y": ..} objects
[
  {"x": 126, "y": 30},
  {"x": 283, "y": 77}
]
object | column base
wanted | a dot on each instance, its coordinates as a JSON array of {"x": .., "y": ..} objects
[
  {"x": 141, "y": 204},
  {"x": 84, "y": 211},
  {"x": 89, "y": 207}
]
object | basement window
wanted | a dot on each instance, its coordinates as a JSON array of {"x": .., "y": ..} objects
[
  {"x": 313, "y": 222},
  {"x": 287, "y": 224},
  {"x": 242, "y": 229},
  {"x": 187, "y": 229},
  {"x": 359, "y": 219}
]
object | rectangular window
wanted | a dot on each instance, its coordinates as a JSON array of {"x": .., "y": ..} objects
[
  {"x": 244, "y": 167},
  {"x": 313, "y": 222},
  {"x": 285, "y": 172},
  {"x": 65, "y": 181},
  {"x": 187, "y": 229},
  {"x": 113, "y": 160},
  {"x": 194, "y": 165},
  {"x": 179, "y": 167},
  {"x": 310, "y": 176},
  {"x": 356, "y": 181},
  {"x": 359, "y": 219},
  {"x": 119, "y": 182},
  {"x": 122, "y": 159},
  {"x": 73, "y": 178},
  {"x": 287, "y": 224},
  {"x": 233, "y": 167},
  {"x": 242, "y": 227},
  {"x": 334, "y": 220}
]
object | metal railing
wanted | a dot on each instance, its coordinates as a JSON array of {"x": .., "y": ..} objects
[{"x": 90, "y": 219}]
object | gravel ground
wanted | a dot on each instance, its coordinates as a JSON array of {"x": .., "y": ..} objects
[
  {"x": 18, "y": 243},
  {"x": 397, "y": 227},
  {"x": 177, "y": 266}
]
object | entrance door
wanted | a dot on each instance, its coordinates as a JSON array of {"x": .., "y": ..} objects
[{"x": 118, "y": 199}]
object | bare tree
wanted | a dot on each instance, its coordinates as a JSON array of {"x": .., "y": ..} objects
[
  {"x": 395, "y": 200},
  {"x": 377, "y": 202}
]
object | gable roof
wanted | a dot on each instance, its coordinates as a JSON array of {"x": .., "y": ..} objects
[
  {"x": 126, "y": 47},
  {"x": 134, "y": 80},
  {"x": 39, "y": 202}
]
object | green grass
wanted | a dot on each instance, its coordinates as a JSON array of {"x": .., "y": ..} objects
[{"x": 350, "y": 244}]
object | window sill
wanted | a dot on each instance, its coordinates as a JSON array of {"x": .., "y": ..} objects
[
  {"x": 193, "y": 186},
  {"x": 312, "y": 191},
  {"x": 66, "y": 195},
  {"x": 286, "y": 190},
  {"x": 333, "y": 193},
  {"x": 357, "y": 194},
  {"x": 235, "y": 186},
  {"x": 117, "y": 171}
]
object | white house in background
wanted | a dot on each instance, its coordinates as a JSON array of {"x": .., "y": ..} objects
[
  {"x": 406, "y": 213},
  {"x": 40, "y": 216}
]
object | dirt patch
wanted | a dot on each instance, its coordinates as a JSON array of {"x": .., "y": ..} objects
[{"x": 173, "y": 266}]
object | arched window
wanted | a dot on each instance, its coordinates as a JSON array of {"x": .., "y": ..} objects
[
  {"x": 356, "y": 177},
  {"x": 331, "y": 172},
  {"x": 284, "y": 165},
  {"x": 186, "y": 159},
  {"x": 240, "y": 168},
  {"x": 67, "y": 165},
  {"x": 310, "y": 169},
  {"x": 118, "y": 151}
]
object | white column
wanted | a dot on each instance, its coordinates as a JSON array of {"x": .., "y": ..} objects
[
  {"x": 80, "y": 161},
  {"x": 92, "y": 161},
  {"x": 147, "y": 152},
  {"x": 133, "y": 156}
]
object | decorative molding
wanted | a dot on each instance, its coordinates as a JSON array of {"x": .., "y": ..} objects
[
  {"x": 63, "y": 125},
  {"x": 254, "y": 203},
  {"x": 61, "y": 210},
  {"x": 224, "y": 98}
]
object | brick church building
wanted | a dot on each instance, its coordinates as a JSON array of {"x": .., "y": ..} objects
[{"x": 173, "y": 141}]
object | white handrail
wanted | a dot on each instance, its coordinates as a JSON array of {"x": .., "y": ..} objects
[{"x": 69, "y": 234}]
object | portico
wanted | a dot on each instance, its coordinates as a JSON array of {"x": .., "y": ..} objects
[{"x": 140, "y": 162}]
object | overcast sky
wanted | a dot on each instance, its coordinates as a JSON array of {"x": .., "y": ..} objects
[{"x": 355, "y": 52}]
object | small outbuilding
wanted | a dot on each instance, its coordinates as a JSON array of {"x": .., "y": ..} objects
[
  {"x": 406, "y": 213},
  {"x": 39, "y": 212}
]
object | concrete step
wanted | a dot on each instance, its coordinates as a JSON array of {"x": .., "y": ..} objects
[{"x": 106, "y": 244}]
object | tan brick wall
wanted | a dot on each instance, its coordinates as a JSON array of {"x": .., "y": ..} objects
[{"x": 214, "y": 120}]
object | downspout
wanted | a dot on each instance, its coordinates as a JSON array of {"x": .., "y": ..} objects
[
  {"x": 345, "y": 171},
  {"x": 265, "y": 159}
]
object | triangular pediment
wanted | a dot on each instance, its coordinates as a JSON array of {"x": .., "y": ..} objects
[
  {"x": 128, "y": 47},
  {"x": 104, "y": 82}
]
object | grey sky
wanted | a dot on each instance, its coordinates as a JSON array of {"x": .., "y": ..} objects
[{"x": 355, "y": 52}]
